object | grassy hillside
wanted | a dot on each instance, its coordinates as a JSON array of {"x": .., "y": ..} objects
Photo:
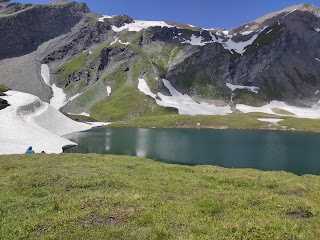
[
  {"x": 117, "y": 197},
  {"x": 127, "y": 103}
]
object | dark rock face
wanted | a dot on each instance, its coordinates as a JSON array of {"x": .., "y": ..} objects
[
  {"x": 90, "y": 33},
  {"x": 282, "y": 61},
  {"x": 25, "y": 27}
]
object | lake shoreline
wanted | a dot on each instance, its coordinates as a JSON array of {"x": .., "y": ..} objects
[
  {"x": 233, "y": 121},
  {"x": 210, "y": 127},
  {"x": 290, "y": 151}
]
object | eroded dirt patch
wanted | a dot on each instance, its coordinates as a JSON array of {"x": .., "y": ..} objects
[{"x": 101, "y": 219}]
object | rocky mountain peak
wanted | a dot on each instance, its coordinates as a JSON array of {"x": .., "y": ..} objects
[{"x": 24, "y": 27}]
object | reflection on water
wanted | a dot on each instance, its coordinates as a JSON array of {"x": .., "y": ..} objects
[{"x": 266, "y": 150}]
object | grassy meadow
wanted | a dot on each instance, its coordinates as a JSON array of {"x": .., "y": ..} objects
[{"x": 74, "y": 196}]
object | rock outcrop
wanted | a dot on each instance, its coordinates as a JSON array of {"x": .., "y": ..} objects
[{"x": 24, "y": 27}]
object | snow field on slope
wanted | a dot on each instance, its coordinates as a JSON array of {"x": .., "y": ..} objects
[
  {"x": 59, "y": 98},
  {"x": 186, "y": 105},
  {"x": 30, "y": 122},
  {"x": 139, "y": 25},
  {"x": 299, "y": 112},
  {"x": 238, "y": 47},
  {"x": 182, "y": 102}
]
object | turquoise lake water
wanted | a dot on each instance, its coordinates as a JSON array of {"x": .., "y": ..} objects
[{"x": 295, "y": 152}]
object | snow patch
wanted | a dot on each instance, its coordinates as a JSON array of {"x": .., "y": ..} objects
[
  {"x": 300, "y": 112},
  {"x": 238, "y": 47},
  {"x": 80, "y": 114},
  {"x": 144, "y": 88},
  {"x": 108, "y": 90},
  {"x": 246, "y": 33},
  {"x": 182, "y": 102},
  {"x": 45, "y": 74},
  {"x": 269, "y": 31},
  {"x": 124, "y": 43},
  {"x": 59, "y": 98},
  {"x": 73, "y": 97},
  {"x": 118, "y": 40},
  {"x": 317, "y": 92},
  {"x": 30, "y": 122},
  {"x": 138, "y": 25},
  {"x": 317, "y": 59},
  {"x": 289, "y": 13},
  {"x": 250, "y": 88},
  {"x": 115, "y": 40},
  {"x": 98, "y": 124},
  {"x": 270, "y": 120},
  {"x": 191, "y": 26},
  {"x": 104, "y": 17},
  {"x": 317, "y": 29},
  {"x": 196, "y": 41}
]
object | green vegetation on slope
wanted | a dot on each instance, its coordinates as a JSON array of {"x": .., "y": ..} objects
[
  {"x": 73, "y": 196},
  {"x": 89, "y": 94},
  {"x": 73, "y": 66},
  {"x": 127, "y": 103},
  {"x": 244, "y": 96},
  {"x": 209, "y": 91}
]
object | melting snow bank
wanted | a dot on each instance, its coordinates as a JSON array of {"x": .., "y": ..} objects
[
  {"x": 182, "y": 102},
  {"x": 270, "y": 120},
  {"x": 138, "y": 25},
  {"x": 30, "y": 122},
  {"x": 300, "y": 112},
  {"x": 59, "y": 98},
  {"x": 234, "y": 87},
  {"x": 186, "y": 105},
  {"x": 105, "y": 17}
]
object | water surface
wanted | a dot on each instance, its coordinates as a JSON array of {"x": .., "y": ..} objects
[{"x": 295, "y": 152}]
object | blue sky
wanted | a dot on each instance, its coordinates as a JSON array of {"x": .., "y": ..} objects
[{"x": 202, "y": 13}]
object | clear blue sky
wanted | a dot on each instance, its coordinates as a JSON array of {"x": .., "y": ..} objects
[{"x": 203, "y": 13}]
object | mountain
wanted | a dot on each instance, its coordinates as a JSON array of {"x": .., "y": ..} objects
[{"x": 117, "y": 68}]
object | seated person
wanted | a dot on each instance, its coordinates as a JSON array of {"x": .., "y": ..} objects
[{"x": 29, "y": 150}]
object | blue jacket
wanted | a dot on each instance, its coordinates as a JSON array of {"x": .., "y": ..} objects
[{"x": 29, "y": 150}]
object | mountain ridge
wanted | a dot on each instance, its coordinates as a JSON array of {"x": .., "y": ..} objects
[{"x": 277, "y": 53}]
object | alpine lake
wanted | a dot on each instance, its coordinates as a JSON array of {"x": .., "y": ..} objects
[{"x": 295, "y": 152}]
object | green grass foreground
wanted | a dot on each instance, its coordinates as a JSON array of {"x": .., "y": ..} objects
[{"x": 73, "y": 196}]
